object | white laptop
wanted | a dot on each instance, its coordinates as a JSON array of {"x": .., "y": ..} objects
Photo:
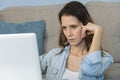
[{"x": 19, "y": 58}]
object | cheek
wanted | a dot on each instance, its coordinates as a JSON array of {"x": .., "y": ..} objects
[
  {"x": 79, "y": 33},
  {"x": 64, "y": 33}
]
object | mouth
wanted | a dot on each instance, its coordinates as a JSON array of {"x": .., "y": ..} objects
[{"x": 71, "y": 40}]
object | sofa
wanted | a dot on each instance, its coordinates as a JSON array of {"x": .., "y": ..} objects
[{"x": 106, "y": 14}]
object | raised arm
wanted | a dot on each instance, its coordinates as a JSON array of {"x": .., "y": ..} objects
[
  {"x": 97, "y": 38},
  {"x": 93, "y": 63}
]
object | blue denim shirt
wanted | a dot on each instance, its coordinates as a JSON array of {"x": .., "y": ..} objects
[{"x": 92, "y": 66}]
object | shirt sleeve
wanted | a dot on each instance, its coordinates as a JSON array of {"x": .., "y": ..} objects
[
  {"x": 43, "y": 62},
  {"x": 94, "y": 64},
  {"x": 45, "y": 59}
]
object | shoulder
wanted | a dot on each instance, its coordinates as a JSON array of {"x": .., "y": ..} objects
[
  {"x": 107, "y": 57},
  {"x": 99, "y": 53},
  {"x": 50, "y": 55},
  {"x": 97, "y": 56},
  {"x": 54, "y": 51}
]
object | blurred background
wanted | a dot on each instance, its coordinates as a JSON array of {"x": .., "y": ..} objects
[{"x": 11, "y": 3}]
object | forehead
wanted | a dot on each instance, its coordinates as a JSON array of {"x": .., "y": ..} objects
[{"x": 69, "y": 19}]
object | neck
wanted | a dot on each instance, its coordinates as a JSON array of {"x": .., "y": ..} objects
[{"x": 79, "y": 49}]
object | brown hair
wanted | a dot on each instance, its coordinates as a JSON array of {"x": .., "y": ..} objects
[{"x": 78, "y": 10}]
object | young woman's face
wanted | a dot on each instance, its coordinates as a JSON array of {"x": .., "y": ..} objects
[{"x": 72, "y": 29}]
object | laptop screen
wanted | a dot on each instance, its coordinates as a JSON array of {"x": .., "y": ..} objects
[{"x": 19, "y": 58}]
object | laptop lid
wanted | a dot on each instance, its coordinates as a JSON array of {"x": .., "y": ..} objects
[{"x": 19, "y": 58}]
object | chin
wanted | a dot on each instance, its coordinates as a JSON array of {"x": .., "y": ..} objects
[{"x": 73, "y": 44}]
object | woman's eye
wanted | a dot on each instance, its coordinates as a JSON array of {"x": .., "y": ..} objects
[
  {"x": 63, "y": 28},
  {"x": 74, "y": 26}
]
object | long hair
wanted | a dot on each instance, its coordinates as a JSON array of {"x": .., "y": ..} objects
[{"x": 78, "y": 10}]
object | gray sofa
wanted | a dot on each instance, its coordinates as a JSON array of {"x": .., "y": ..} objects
[{"x": 106, "y": 14}]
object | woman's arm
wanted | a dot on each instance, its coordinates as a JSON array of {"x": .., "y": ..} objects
[
  {"x": 97, "y": 38},
  {"x": 46, "y": 59},
  {"x": 43, "y": 63},
  {"x": 94, "y": 64}
]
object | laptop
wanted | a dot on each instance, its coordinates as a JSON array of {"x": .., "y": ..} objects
[{"x": 19, "y": 58}]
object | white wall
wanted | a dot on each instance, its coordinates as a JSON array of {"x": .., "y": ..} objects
[{"x": 9, "y": 3}]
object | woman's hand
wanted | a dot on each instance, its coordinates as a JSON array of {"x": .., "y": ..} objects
[{"x": 91, "y": 28}]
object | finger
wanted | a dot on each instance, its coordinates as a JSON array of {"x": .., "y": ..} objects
[
  {"x": 83, "y": 32},
  {"x": 89, "y": 32}
]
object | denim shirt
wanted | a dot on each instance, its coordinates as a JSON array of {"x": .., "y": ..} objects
[{"x": 92, "y": 66}]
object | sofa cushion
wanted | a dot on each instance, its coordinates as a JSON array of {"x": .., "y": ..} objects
[
  {"x": 107, "y": 14},
  {"x": 37, "y": 27},
  {"x": 113, "y": 73},
  {"x": 48, "y": 13}
]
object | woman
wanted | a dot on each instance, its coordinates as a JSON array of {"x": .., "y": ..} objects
[{"x": 81, "y": 56}]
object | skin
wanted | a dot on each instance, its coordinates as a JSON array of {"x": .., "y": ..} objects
[{"x": 74, "y": 31}]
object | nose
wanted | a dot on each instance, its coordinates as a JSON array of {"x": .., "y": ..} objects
[{"x": 69, "y": 32}]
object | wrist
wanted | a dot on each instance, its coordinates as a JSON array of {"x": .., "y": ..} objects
[{"x": 98, "y": 29}]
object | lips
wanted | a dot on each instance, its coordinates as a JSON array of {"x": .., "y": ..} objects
[{"x": 71, "y": 40}]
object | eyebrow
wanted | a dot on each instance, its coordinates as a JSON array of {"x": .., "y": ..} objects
[
  {"x": 63, "y": 27},
  {"x": 70, "y": 25}
]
